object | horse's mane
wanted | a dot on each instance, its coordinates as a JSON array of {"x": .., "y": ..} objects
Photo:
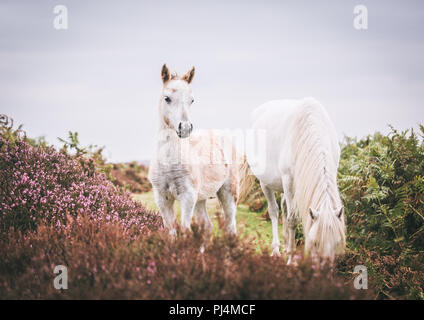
[{"x": 315, "y": 154}]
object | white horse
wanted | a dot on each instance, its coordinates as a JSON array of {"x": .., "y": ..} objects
[
  {"x": 191, "y": 168},
  {"x": 302, "y": 156}
]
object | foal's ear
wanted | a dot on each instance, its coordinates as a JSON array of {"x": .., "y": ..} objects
[
  {"x": 189, "y": 75},
  {"x": 313, "y": 213},
  {"x": 165, "y": 73}
]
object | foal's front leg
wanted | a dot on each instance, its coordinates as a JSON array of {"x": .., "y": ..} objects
[
  {"x": 165, "y": 203},
  {"x": 187, "y": 200},
  {"x": 203, "y": 219}
]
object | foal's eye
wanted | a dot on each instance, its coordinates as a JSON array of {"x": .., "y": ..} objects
[
  {"x": 167, "y": 99},
  {"x": 192, "y": 100}
]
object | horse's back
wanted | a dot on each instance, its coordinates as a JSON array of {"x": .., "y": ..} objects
[
  {"x": 270, "y": 119},
  {"x": 278, "y": 120},
  {"x": 273, "y": 111}
]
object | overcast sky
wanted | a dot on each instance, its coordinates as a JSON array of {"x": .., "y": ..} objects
[{"x": 101, "y": 77}]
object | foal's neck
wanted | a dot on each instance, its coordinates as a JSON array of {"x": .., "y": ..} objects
[{"x": 170, "y": 149}]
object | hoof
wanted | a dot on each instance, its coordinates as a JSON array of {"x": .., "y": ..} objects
[
  {"x": 292, "y": 262},
  {"x": 276, "y": 252}
]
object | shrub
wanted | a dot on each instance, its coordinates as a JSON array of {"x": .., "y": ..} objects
[
  {"x": 132, "y": 177},
  {"x": 381, "y": 180},
  {"x": 40, "y": 183},
  {"x": 92, "y": 153},
  {"x": 104, "y": 262}
]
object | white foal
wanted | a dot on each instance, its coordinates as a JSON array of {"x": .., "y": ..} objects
[
  {"x": 302, "y": 156},
  {"x": 191, "y": 168}
]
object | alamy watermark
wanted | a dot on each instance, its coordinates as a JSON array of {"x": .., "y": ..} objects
[
  {"x": 360, "y": 20},
  {"x": 61, "y": 280},
  {"x": 361, "y": 280},
  {"x": 60, "y": 20}
]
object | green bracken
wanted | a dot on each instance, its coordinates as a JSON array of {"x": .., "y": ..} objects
[{"x": 382, "y": 185}]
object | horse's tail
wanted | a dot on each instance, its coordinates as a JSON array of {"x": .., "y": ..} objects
[{"x": 247, "y": 180}]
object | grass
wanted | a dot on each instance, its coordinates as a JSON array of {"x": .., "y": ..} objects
[{"x": 251, "y": 224}]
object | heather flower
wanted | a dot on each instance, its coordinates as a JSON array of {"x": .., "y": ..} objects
[{"x": 41, "y": 183}]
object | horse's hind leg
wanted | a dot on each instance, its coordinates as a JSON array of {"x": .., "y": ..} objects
[
  {"x": 289, "y": 218},
  {"x": 228, "y": 202},
  {"x": 273, "y": 214}
]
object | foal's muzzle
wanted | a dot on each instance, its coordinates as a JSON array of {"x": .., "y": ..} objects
[{"x": 184, "y": 129}]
